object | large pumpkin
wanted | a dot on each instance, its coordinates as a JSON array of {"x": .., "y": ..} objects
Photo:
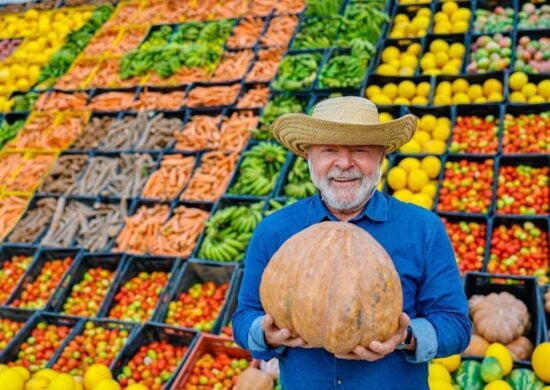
[{"x": 333, "y": 285}]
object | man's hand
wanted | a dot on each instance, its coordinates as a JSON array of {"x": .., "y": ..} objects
[
  {"x": 377, "y": 350},
  {"x": 275, "y": 337}
]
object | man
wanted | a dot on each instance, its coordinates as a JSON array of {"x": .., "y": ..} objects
[{"x": 345, "y": 146}]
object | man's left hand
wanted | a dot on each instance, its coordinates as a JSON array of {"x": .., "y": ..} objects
[{"x": 377, "y": 350}]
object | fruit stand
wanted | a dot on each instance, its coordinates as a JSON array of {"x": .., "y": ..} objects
[{"x": 136, "y": 160}]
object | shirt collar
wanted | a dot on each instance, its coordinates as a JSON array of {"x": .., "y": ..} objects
[{"x": 376, "y": 209}]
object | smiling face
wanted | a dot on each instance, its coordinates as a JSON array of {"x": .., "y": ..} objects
[{"x": 345, "y": 175}]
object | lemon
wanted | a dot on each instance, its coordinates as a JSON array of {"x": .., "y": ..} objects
[
  {"x": 421, "y": 22},
  {"x": 495, "y": 97},
  {"x": 390, "y": 90},
  {"x": 502, "y": 354},
  {"x": 420, "y": 101},
  {"x": 435, "y": 146},
  {"x": 95, "y": 374},
  {"x": 397, "y": 178},
  {"x": 10, "y": 379},
  {"x": 461, "y": 98},
  {"x": 442, "y": 28},
  {"x": 544, "y": 89},
  {"x": 32, "y": 14},
  {"x": 385, "y": 163},
  {"x": 381, "y": 99},
  {"x": 441, "y": 58},
  {"x": 451, "y": 363},
  {"x": 409, "y": 164},
  {"x": 423, "y": 89},
  {"x": 23, "y": 84},
  {"x": 401, "y": 101},
  {"x": 439, "y": 45},
  {"x": 449, "y": 7},
  {"x": 406, "y": 71},
  {"x": 384, "y": 117},
  {"x": 460, "y": 85},
  {"x": 462, "y": 14},
  {"x": 498, "y": 385},
  {"x": 373, "y": 90},
  {"x": 529, "y": 90},
  {"x": 3, "y": 367},
  {"x": 431, "y": 165},
  {"x": 411, "y": 147},
  {"x": 401, "y": 18},
  {"x": 429, "y": 189},
  {"x": 427, "y": 122},
  {"x": 438, "y": 372},
  {"x": 409, "y": 61},
  {"x": 444, "y": 88},
  {"x": 411, "y": 29},
  {"x": 414, "y": 48},
  {"x": 443, "y": 120},
  {"x": 517, "y": 80},
  {"x": 441, "y": 132},
  {"x": 475, "y": 91},
  {"x": 403, "y": 194},
  {"x": 517, "y": 97},
  {"x": 380, "y": 185},
  {"x": 417, "y": 179},
  {"x": 459, "y": 26},
  {"x": 422, "y": 137},
  {"x": 441, "y": 17},
  {"x": 390, "y": 53},
  {"x": 480, "y": 100},
  {"x": 137, "y": 386},
  {"x": 421, "y": 200},
  {"x": 450, "y": 68},
  {"x": 492, "y": 86},
  {"x": 536, "y": 99},
  {"x": 107, "y": 384},
  {"x": 25, "y": 374},
  {"x": 37, "y": 384},
  {"x": 427, "y": 63},
  {"x": 386, "y": 70},
  {"x": 440, "y": 385},
  {"x": 62, "y": 382},
  {"x": 407, "y": 89},
  {"x": 46, "y": 373}
]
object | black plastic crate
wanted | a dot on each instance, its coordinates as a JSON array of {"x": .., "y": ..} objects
[
  {"x": 321, "y": 83},
  {"x": 490, "y": 5},
  {"x": 42, "y": 257},
  {"x": 538, "y": 161},
  {"x": 521, "y": 61},
  {"x": 523, "y": 288},
  {"x": 380, "y": 81},
  {"x": 461, "y": 4},
  {"x": 319, "y": 57},
  {"x": 111, "y": 261},
  {"x": 305, "y": 24},
  {"x": 162, "y": 90},
  {"x": 134, "y": 265},
  {"x": 225, "y": 328},
  {"x": 450, "y": 39},
  {"x": 478, "y": 79},
  {"x": 195, "y": 271},
  {"x": 474, "y": 39},
  {"x": 150, "y": 333},
  {"x": 37, "y": 236},
  {"x": 263, "y": 21},
  {"x": 14, "y": 315},
  {"x": 411, "y": 10},
  {"x": 7, "y": 252},
  {"x": 11, "y": 353},
  {"x": 521, "y": 3},
  {"x": 94, "y": 93},
  {"x": 402, "y": 45}
]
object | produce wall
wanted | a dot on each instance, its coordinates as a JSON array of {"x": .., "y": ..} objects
[{"x": 137, "y": 157}]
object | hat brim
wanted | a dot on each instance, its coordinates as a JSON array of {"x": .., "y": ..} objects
[{"x": 299, "y": 131}]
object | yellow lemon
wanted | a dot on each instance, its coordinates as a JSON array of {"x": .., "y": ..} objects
[
  {"x": 427, "y": 63},
  {"x": 46, "y": 373},
  {"x": 385, "y": 164},
  {"x": 397, "y": 178},
  {"x": 451, "y": 363},
  {"x": 441, "y": 132},
  {"x": 441, "y": 58},
  {"x": 480, "y": 100},
  {"x": 517, "y": 97},
  {"x": 390, "y": 90},
  {"x": 536, "y": 99},
  {"x": 401, "y": 101},
  {"x": 443, "y": 120},
  {"x": 408, "y": 60},
  {"x": 429, "y": 189},
  {"x": 498, "y": 385},
  {"x": 517, "y": 80},
  {"x": 373, "y": 90},
  {"x": 439, "y": 45},
  {"x": 10, "y": 379},
  {"x": 409, "y": 164},
  {"x": 411, "y": 147},
  {"x": 492, "y": 86},
  {"x": 442, "y": 28},
  {"x": 3, "y": 367},
  {"x": 462, "y": 14},
  {"x": 403, "y": 194},
  {"x": 475, "y": 91},
  {"x": 423, "y": 89},
  {"x": 450, "y": 68},
  {"x": 457, "y": 50},
  {"x": 381, "y": 99},
  {"x": 417, "y": 179},
  {"x": 440, "y": 17},
  {"x": 414, "y": 48},
  {"x": 62, "y": 382},
  {"x": 540, "y": 359},
  {"x": 23, "y": 84},
  {"x": 407, "y": 89},
  {"x": 107, "y": 384},
  {"x": 421, "y": 200},
  {"x": 419, "y": 100},
  {"x": 390, "y": 53},
  {"x": 421, "y": 22},
  {"x": 461, "y": 98},
  {"x": 440, "y": 385},
  {"x": 438, "y": 372},
  {"x": 460, "y": 85},
  {"x": 495, "y": 97},
  {"x": 37, "y": 384},
  {"x": 459, "y": 26},
  {"x": 431, "y": 165},
  {"x": 544, "y": 88},
  {"x": 401, "y": 18},
  {"x": 95, "y": 374},
  {"x": 386, "y": 70},
  {"x": 25, "y": 374},
  {"x": 502, "y": 354},
  {"x": 435, "y": 146},
  {"x": 427, "y": 122},
  {"x": 529, "y": 90},
  {"x": 384, "y": 117},
  {"x": 444, "y": 88},
  {"x": 406, "y": 71},
  {"x": 380, "y": 185},
  {"x": 137, "y": 386},
  {"x": 424, "y": 11},
  {"x": 449, "y": 7},
  {"x": 32, "y": 14}
]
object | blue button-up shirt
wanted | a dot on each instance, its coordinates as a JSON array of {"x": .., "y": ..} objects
[{"x": 433, "y": 297}]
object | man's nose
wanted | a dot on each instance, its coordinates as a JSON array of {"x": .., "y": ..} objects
[{"x": 344, "y": 160}]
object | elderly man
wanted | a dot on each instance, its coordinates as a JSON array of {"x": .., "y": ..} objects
[{"x": 345, "y": 145}]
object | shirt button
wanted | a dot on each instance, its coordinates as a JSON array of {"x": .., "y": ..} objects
[{"x": 339, "y": 381}]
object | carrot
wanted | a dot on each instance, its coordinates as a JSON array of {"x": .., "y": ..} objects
[
  {"x": 77, "y": 75},
  {"x": 101, "y": 42},
  {"x": 124, "y": 14},
  {"x": 280, "y": 31},
  {"x": 9, "y": 162},
  {"x": 111, "y": 101},
  {"x": 261, "y": 7},
  {"x": 233, "y": 66},
  {"x": 171, "y": 12},
  {"x": 200, "y": 132},
  {"x": 159, "y": 101},
  {"x": 289, "y": 7},
  {"x": 265, "y": 68},
  {"x": 212, "y": 177},
  {"x": 61, "y": 101},
  {"x": 181, "y": 76},
  {"x": 30, "y": 173},
  {"x": 178, "y": 236},
  {"x": 229, "y": 9},
  {"x": 33, "y": 132},
  {"x": 129, "y": 41},
  {"x": 246, "y": 33},
  {"x": 256, "y": 97},
  {"x": 62, "y": 135},
  {"x": 141, "y": 229},
  {"x": 108, "y": 76},
  {"x": 172, "y": 176},
  {"x": 11, "y": 208},
  {"x": 235, "y": 131},
  {"x": 213, "y": 96}
]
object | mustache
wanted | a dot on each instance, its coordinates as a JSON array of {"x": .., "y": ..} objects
[{"x": 342, "y": 175}]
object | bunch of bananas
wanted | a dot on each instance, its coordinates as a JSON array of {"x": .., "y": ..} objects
[
  {"x": 275, "y": 205},
  {"x": 299, "y": 182},
  {"x": 228, "y": 232},
  {"x": 259, "y": 169}
]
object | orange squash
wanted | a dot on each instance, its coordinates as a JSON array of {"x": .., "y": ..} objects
[
  {"x": 254, "y": 379},
  {"x": 521, "y": 348},
  {"x": 333, "y": 285},
  {"x": 478, "y": 345}
]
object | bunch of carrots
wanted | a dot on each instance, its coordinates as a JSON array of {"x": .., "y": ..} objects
[
  {"x": 77, "y": 75},
  {"x": 213, "y": 96},
  {"x": 148, "y": 100},
  {"x": 266, "y": 65},
  {"x": 246, "y": 33},
  {"x": 172, "y": 176},
  {"x": 256, "y": 97},
  {"x": 280, "y": 31},
  {"x": 200, "y": 132},
  {"x": 31, "y": 171},
  {"x": 11, "y": 208},
  {"x": 233, "y": 66}
]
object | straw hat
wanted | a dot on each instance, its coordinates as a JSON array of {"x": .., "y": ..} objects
[{"x": 347, "y": 120}]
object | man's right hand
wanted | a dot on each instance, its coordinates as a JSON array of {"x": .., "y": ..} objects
[{"x": 275, "y": 337}]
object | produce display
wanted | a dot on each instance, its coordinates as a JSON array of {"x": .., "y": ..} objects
[{"x": 141, "y": 130}]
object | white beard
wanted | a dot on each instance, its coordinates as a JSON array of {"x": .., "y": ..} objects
[{"x": 346, "y": 198}]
